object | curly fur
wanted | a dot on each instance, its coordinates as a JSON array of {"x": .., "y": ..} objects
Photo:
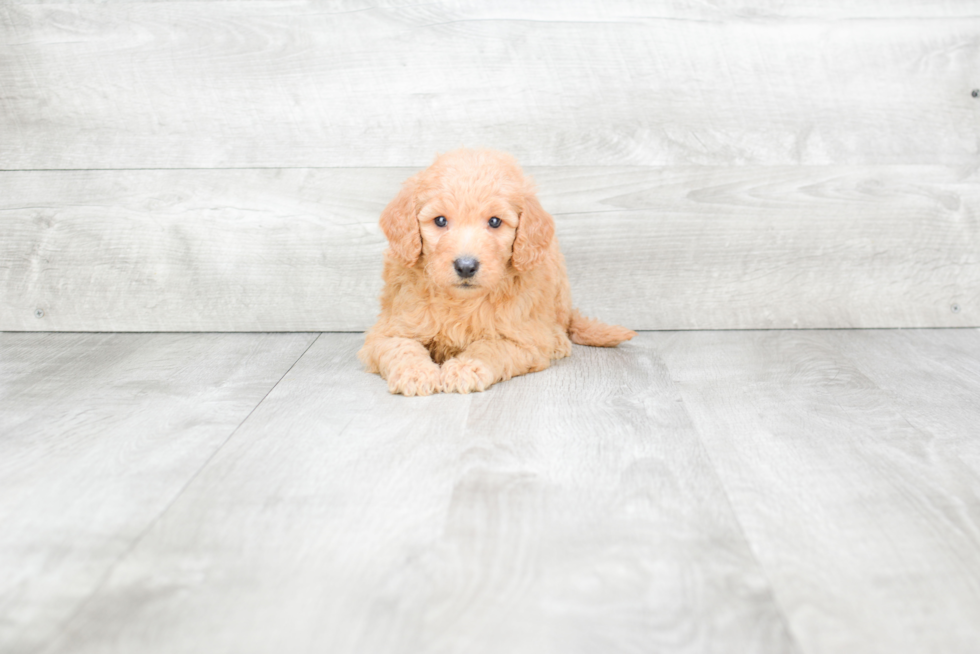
[{"x": 439, "y": 331}]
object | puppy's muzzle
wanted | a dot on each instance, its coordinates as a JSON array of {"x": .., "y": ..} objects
[{"x": 466, "y": 267}]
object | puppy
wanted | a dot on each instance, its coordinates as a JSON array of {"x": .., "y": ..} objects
[{"x": 475, "y": 289}]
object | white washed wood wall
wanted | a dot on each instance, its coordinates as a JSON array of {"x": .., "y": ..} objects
[{"x": 727, "y": 164}]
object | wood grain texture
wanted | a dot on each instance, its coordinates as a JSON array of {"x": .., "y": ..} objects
[
  {"x": 650, "y": 248},
  {"x": 700, "y": 491},
  {"x": 296, "y": 84},
  {"x": 863, "y": 511},
  {"x": 572, "y": 510},
  {"x": 283, "y": 250},
  {"x": 935, "y": 377},
  {"x": 98, "y": 434}
]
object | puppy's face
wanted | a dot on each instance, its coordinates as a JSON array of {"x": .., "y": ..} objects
[
  {"x": 470, "y": 219},
  {"x": 467, "y": 242}
]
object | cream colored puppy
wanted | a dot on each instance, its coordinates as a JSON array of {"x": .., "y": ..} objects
[{"x": 475, "y": 285}]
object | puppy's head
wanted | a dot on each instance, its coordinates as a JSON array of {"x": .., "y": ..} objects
[{"x": 470, "y": 219}]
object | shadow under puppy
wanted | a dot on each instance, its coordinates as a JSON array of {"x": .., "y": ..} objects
[{"x": 475, "y": 286}]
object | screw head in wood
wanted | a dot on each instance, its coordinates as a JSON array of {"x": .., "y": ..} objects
[
  {"x": 38, "y": 313},
  {"x": 955, "y": 308}
]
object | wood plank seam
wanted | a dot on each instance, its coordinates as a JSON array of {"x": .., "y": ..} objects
[
  {"x": 107, "y": 574},
  {"x": 719, "y": 480}
]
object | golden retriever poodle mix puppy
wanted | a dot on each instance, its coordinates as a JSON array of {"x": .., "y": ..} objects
[{"x": 475, "y": 289}]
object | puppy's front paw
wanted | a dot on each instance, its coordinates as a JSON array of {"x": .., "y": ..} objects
[
  {"x": 465, "y": 376},
  {"x": 410, "y": 381}
]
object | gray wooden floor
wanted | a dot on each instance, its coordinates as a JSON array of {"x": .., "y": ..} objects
[{"x": 769, "y": 491}]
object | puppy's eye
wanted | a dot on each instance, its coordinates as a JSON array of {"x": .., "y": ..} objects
[
  {"x": 494, "y": 222},
  {"x": 440, "y": 221}
]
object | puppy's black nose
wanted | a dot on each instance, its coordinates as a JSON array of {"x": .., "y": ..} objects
[{"x": 466, "y": 267}]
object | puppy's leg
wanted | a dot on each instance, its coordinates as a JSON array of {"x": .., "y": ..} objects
[
  {"x": 485, "y": 363},
  {"x": 404, "y": 363}
]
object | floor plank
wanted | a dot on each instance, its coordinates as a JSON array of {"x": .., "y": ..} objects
[
  {"x": 934, "y": 376},
  {"x": 700, "y": 491},
  {"x": 864, "y": 512},
  {"x": 98, "y": 434},
  {"x": 570, "y": 510}
]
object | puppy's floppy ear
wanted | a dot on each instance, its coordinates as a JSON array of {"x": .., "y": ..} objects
[
  {"x": 534, "y": 233},
  {"x": 400, "y": 224}
]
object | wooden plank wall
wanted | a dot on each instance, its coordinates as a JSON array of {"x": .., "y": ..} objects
[{"x": 221, "y": 165}]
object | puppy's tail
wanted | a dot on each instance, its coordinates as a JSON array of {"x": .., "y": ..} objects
[{"x": 586, "y": 331}]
